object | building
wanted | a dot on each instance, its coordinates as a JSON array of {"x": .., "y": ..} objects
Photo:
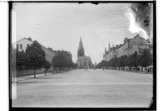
[
  {"x": 83, "y": 61},
  {"x": 135, "y": 44},
  {"x": 24, "y": 42}
]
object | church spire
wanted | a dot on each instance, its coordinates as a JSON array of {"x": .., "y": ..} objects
[
  {"x": 81, "y": 51},
  {"x": 105, "y": 51},
  {"x": 109, "y": 46}
]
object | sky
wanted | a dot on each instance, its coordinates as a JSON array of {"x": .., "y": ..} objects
[{"x": 61, "y": 25}]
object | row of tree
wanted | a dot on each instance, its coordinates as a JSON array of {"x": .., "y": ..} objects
[
  {"x": 34, "y": 58},
  {"x": 62, "y": 59},
  {"x": 143, "y": 59}
]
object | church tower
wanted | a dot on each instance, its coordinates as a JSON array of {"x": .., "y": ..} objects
[
  {"x": 83, "y": 61},
  {"x": 81, "y": 51},
  {"x": 109, "y": 47}
]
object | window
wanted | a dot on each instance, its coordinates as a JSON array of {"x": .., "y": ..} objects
[{"x": 21, "y": 46}]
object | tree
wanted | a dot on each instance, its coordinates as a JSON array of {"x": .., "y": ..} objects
[
  {"x": 133, "y": 59},
  {"x": 21, "y": 60},
  {"x": 36, "y": 56},
  {"x": 46, "y": 66},
  {"x": 146, "y": 58},
  {"x": 123, "y": 60},
  {"x": 62, "y": 59},
  {"x": 58, "y": 60}
]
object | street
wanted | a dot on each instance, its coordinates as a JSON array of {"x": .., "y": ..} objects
[{"x": 85, "y": 88}]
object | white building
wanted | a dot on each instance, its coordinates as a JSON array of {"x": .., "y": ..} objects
[{"x": 23, "y": 43}]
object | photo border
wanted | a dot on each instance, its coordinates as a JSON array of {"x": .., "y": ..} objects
[{"x": 86, "y": 108}]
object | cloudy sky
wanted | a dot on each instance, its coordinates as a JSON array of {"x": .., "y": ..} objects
[{"x": 60, "y": 25}]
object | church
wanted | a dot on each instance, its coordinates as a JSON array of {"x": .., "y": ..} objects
[{"x": 83, "y": 60}]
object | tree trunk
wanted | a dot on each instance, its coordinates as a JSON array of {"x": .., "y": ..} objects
[
  {"x": 45, "y": 72},
  {"x": 34, "y": 74}
]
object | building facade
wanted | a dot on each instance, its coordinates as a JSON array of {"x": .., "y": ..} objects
[
  {"x": 23, "y": 43},
  {"x": 135, "y": 44}
]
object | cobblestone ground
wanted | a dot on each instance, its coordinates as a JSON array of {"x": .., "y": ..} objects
[{"x": 84, "y": 88}]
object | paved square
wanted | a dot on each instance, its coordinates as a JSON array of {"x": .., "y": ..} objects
[{"x": 85, "y": 88}]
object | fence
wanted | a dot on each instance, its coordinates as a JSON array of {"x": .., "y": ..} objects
[
  {"x": 29, "y": 72},
  {"x": 148, "y": 69}
]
